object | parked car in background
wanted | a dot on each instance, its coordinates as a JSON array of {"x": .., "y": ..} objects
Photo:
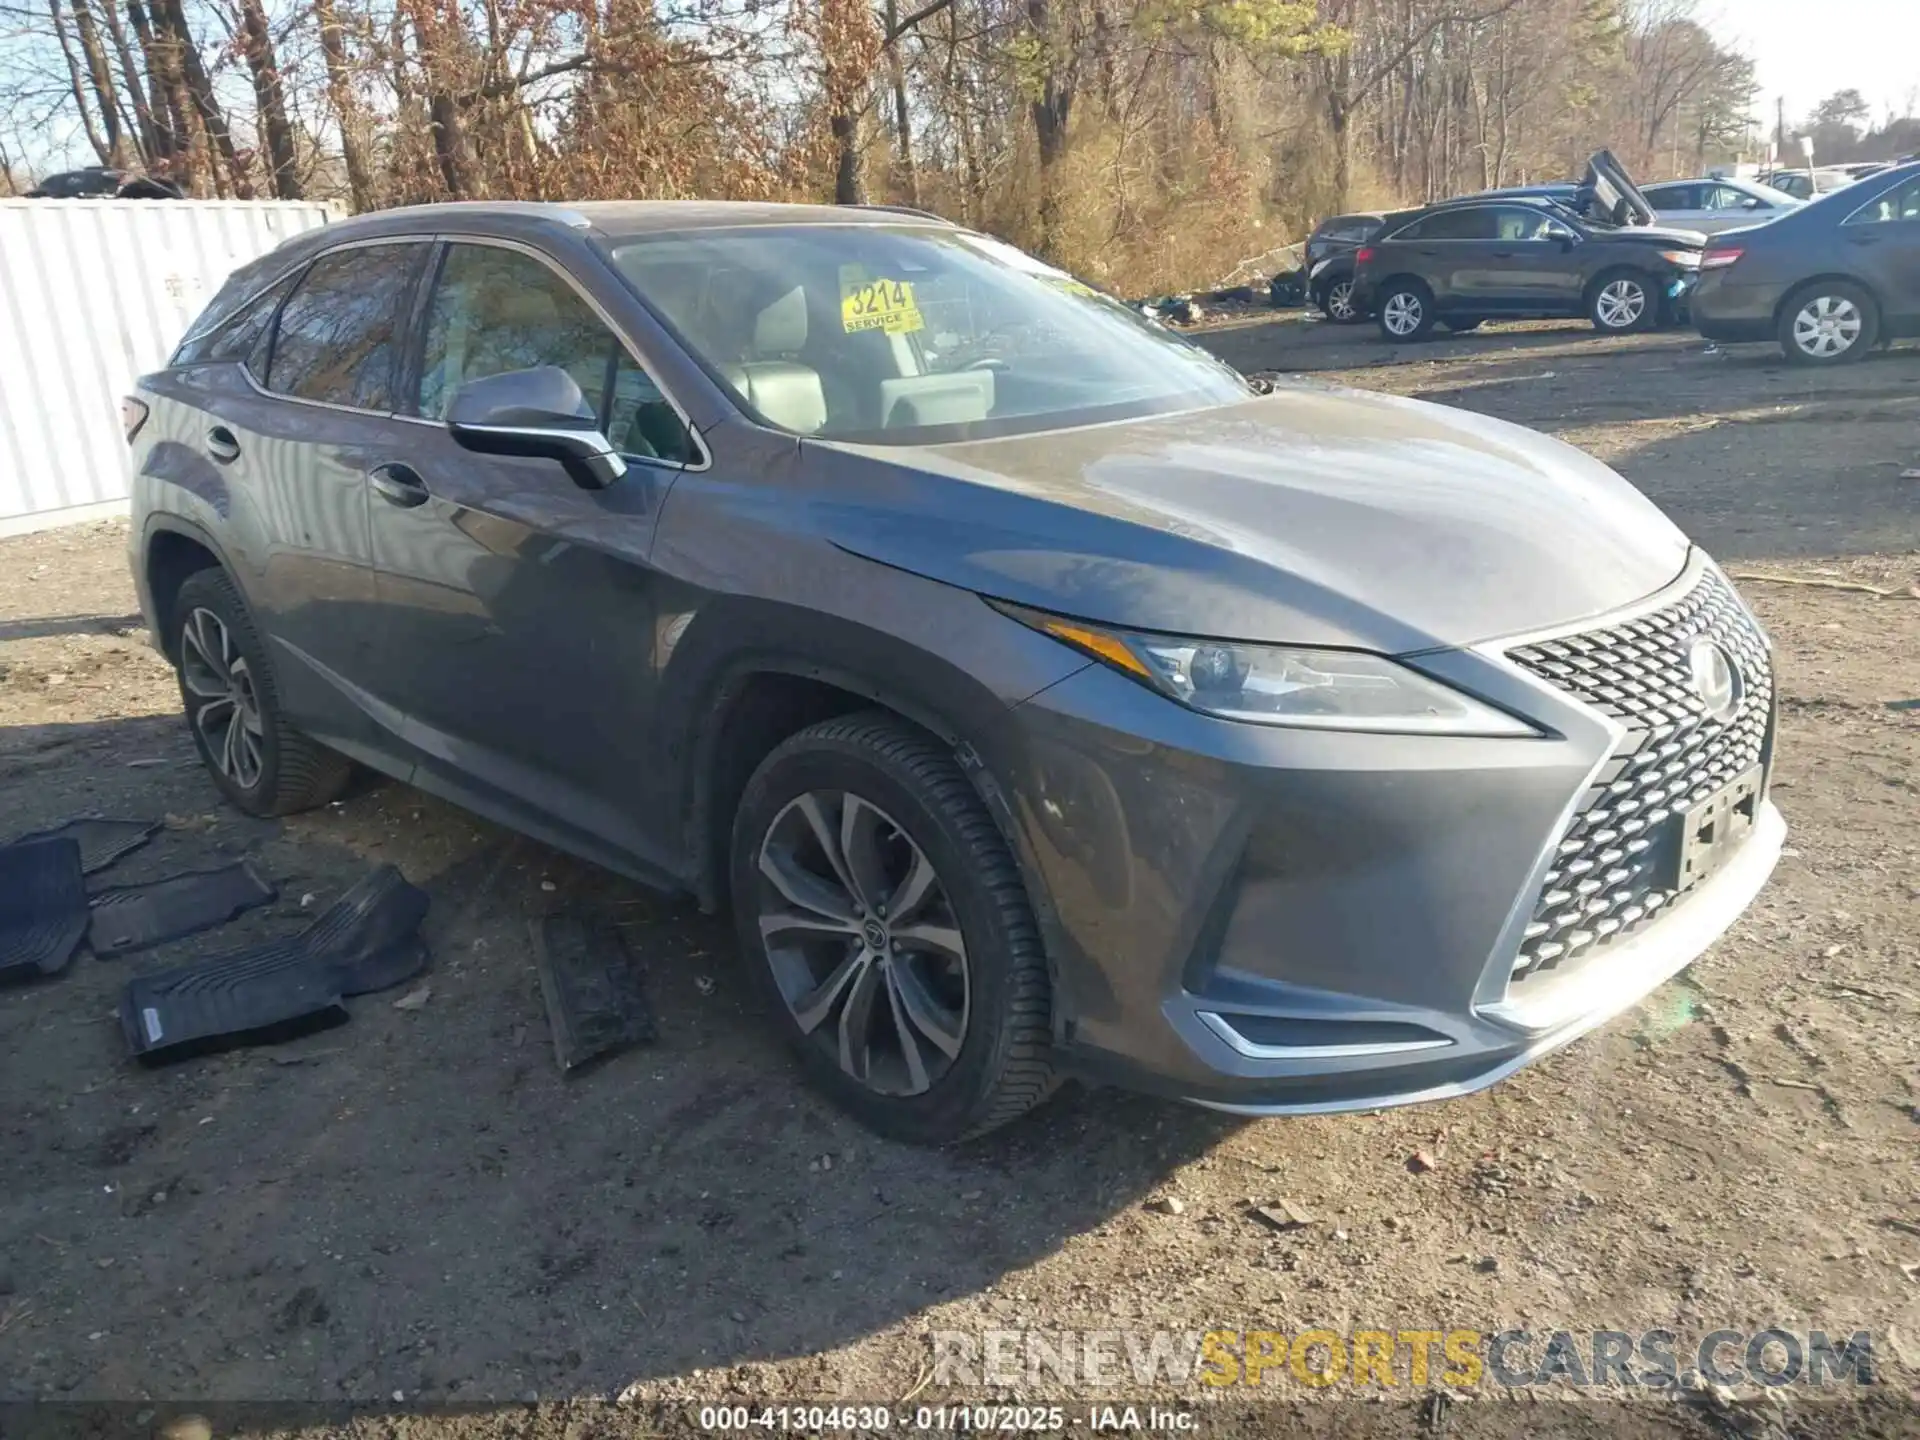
[
  {"x": 1329, "y": 260},
  {"x": 1829, "y": 281},
  {"x": 1711, "y": 205},
  {"x": 102, "y": 182},
  {"x": 1468, "y": 262},
  {"x": 1807, "y": 184},
  {"x": 1037, "y": 694}
]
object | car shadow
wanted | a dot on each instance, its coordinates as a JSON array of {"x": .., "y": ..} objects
[{"x": 419, "y": 1201}]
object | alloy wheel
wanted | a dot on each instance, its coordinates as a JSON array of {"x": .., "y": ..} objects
[
  {"x": 1827, "y": 326},
  {"x": 863, "y": 942},
  {"x": 1340, "y": 300},
  {"x": 1621, "y": 304},
  {"x": 1402, "y": 313},
  {"x": 225, "y": 705}
]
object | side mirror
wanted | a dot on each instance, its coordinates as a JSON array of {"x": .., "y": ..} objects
[
  {"x": 1561, "y": 236},
  {"x": 539, "y": 413},
  {"x": 1753, "y": 202}
]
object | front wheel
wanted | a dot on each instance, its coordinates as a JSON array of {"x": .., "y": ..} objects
[
  {"x": 1829, "y": 324},
  {"x": 1620, "y": 303},
  {"x": 885, "y": 923},
  {"x": 1406, "y": 313}
]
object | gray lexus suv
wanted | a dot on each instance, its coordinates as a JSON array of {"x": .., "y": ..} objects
[{"x": 1041, "y": 697}]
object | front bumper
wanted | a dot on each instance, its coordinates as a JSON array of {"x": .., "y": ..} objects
[{"x": 1293, "y": 922}]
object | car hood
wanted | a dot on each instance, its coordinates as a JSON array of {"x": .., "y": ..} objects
[
  {"x": 1608, "y": 182},
  {"x": 1312, "y": 516}
]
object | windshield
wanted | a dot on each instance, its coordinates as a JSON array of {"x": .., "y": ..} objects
[{"x": 910, "y": 335}]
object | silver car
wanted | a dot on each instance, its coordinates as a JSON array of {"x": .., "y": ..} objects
[
  {"x": 1039, "y": 696},
  {"x": 1711, "y": 205}
]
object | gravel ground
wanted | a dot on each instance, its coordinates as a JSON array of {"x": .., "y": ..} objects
[{"x": 416, "y": 1204}]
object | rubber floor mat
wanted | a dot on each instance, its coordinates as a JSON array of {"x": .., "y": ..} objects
[
  {"x": 136, "y": 916},
  {"x": 102, "y": 841},
  {"x": 43, "y": 907},
  {"x": 596, "y": 1002},
  {"x": 282, "y": 989}
]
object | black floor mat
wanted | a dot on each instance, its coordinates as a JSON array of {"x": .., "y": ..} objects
[
  {"x": 43, "y": 907},
  {"x": 286, "y": 988},
  {"x": 596, "y": 1002},
  {"x": 102, "y": 841},
  {"x": 136, "y": 916}
]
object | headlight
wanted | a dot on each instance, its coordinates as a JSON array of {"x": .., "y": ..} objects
[{"x": 1283, "y": 685}]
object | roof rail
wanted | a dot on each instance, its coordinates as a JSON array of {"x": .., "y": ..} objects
[{"x": 902, "y": 210}]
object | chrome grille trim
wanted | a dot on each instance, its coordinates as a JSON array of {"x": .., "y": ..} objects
[{"x": 1602, "y": 882}]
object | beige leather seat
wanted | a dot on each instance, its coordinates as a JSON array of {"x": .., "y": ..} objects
[{"x": 786, "y": 392}]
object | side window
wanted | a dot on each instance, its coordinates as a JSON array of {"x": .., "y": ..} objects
[
  {"x": 1416, "y": 231},
  {"x": 1475, "y": 224},
  {"x": 1721, "y": 197},
  {"x": 1519, "y": 224},
  {"x": 495, "y": 310},
  {"x": 1900, "y": 203},
  {"x": 238, "y": 336},
  {"x": 337, "y": 340},
  {"x": 1673, "y": 197}
]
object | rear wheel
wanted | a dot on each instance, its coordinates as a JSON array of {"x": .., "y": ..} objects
[
  {"x": 1829, "y": 323},
  {"x": 886, "y": 925},
  {"x": 257, "y": 758},
  {"x": 1406, "y": 312},
  {"x": 1621, "y": 301},
  {"x": 1336, "y": 302}
]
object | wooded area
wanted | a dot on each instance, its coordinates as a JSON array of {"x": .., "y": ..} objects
[{"x": 1145, "y": 143}]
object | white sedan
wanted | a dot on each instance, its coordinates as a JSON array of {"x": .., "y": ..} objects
[{"x": 1712, "y": 205}]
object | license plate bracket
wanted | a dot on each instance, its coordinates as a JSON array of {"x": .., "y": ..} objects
[{"x": 1711, "y": 831}]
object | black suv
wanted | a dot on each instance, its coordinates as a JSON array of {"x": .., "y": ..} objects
[{"x": 1462, "y": 263}]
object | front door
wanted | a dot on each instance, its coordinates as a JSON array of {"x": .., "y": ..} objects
[{"x": 518, "y": 646}]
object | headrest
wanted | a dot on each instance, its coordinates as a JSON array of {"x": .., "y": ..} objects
[{"x": 781, "y": 328}]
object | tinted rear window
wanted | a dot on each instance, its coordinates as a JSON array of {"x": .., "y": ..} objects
[
  {"x": 339, "y": 332},
  {"x": 238, "y": 337}
]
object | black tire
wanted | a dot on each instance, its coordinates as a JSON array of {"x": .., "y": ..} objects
[
  {"x": 1850, "y": 319},
  {"x": 289, "y": 772},
  {"x": 1621, "y": 302},
  {"x": 1004, "y": 1063},
  {"x": 1335, "y": 299},
  {"x": 1408, "y": 305}
]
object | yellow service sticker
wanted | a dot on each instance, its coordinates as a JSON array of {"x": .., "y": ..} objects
[
  {"x": 879, "y": 305},
  {"x": 1068, "y": 285}
]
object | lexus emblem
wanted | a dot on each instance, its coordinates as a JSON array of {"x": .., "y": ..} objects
[{"x": 1716, "y": 678}]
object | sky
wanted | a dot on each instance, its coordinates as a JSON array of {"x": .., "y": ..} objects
[{"x": 1804, "y": 50}]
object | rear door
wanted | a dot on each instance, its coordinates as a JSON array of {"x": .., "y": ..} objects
[
  {"x": 298, "y": 441},
  {"x": 1454, "y": 250},
  {"x": 520, "y": 622},
  {"x": 1881, "y": 241}
]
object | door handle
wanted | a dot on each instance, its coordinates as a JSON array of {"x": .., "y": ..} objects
[
  {"x": 1503, "y": 254},
  {"x": 221, "y": 445},
  {"x": 398, "y": 484}
]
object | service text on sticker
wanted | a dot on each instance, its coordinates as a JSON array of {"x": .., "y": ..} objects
[{"x": 879, "y": 305}]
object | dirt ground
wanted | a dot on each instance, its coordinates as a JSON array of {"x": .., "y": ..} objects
[{"x": 417, "y": 1206}]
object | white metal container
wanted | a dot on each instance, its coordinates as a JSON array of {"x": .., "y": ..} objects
[{"x": 92, "y": 294}]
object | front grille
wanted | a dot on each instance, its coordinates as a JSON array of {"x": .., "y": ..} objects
[{"x": 1612, "y": 870}]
